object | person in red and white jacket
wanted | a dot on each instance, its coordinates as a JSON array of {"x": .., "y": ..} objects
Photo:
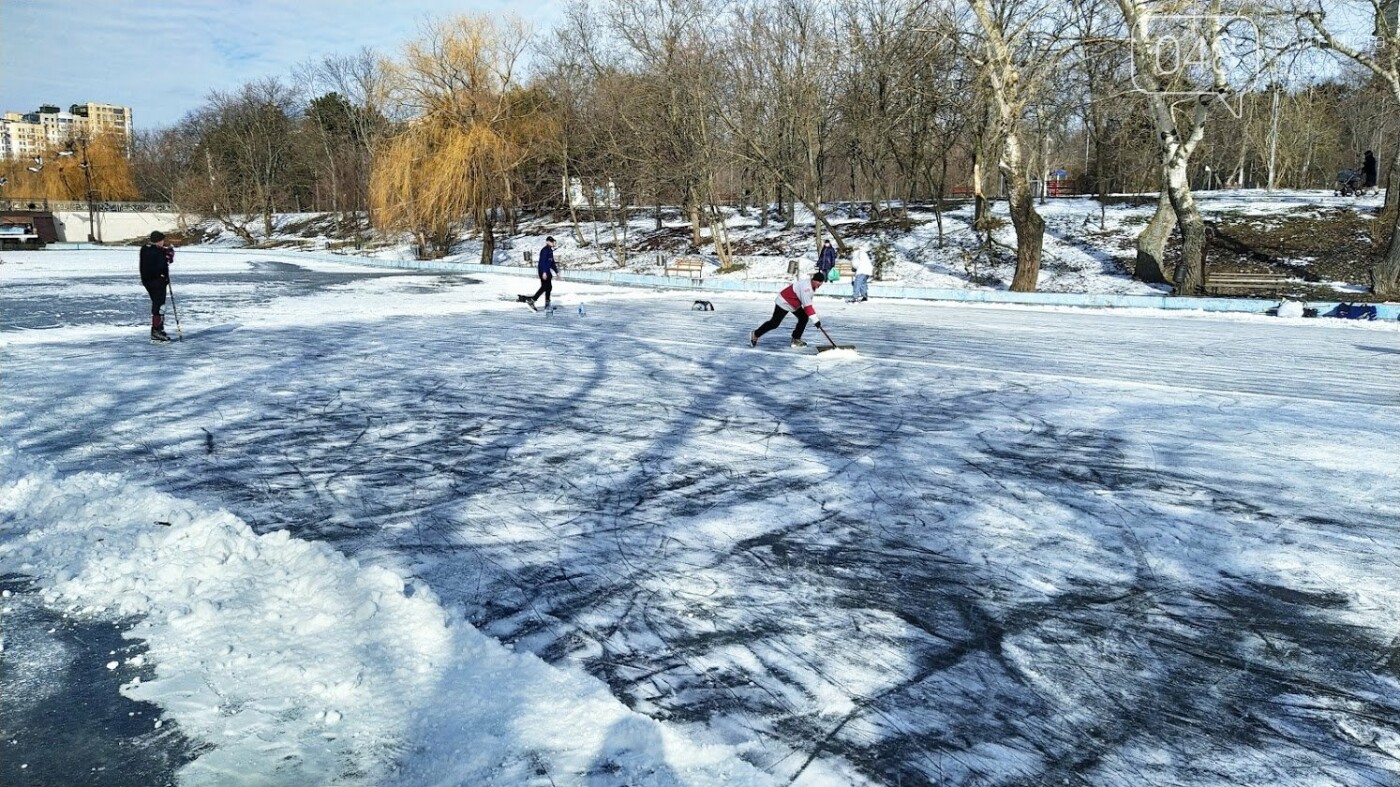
[{"x": 795, "y": 299}]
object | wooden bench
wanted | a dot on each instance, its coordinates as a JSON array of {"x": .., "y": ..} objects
[
  {"x": 694, "y": 267},
  {"x": 1271, "y": 283},
  {"x": 844, "y": 268}
]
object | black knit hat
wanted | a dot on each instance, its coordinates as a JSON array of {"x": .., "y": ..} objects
[
  {"x": 157, "y": 236},
  {"x": 818, "y": 276}
]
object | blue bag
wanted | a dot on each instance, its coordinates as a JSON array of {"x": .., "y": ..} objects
[{"x": 1353, "y": 311}]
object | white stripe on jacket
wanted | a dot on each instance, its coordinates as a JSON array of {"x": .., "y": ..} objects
[{"x": 798, "y": 295}]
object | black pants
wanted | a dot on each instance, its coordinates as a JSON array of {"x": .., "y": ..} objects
[
  {"x": 546, "y": 287},
  {"x": 779, "y": 314},
  {"x": 156, "y": 289}
]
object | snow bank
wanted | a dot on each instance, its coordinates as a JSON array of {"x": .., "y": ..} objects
[{"x": 301, "y": 666}]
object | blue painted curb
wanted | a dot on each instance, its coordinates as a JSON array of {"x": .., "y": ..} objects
[{"x": 1384, "y": 311}]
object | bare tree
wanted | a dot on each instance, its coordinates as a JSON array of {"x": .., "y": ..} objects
[
  {"x": 782, "y": 70},
  {"x": 248, "y": 148},
  {"x": 1383, "y": 60},
  {"x": 1180, "y": 101},
  {"x": 1019, "y": 49}
]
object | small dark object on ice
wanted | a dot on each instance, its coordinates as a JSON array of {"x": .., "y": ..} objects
[{"x": 702, "y": 306}]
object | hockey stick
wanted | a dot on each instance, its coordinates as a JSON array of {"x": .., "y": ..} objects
[{"x": 173, "y": 311}]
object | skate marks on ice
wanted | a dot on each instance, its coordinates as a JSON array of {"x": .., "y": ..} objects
[{"x": 921, "y": 576}]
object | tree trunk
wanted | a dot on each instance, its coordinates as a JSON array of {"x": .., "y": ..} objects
[
  {"x": 938, "y": 198},
  {"x": 1152, "y": 243},
  {"x": 1385, "y": 274},
  {"x": 979, "y": 196},
  {"x": 573, "y": 209},
  {"x": 693, "y": 208},
  {"x": 822, "y": 222},
  {"x": 1191, "y": 268},
  {"x": 1030, "y": 227},
  {"x": 488, "y": 240},
  {"x": 237, "y": 229}
]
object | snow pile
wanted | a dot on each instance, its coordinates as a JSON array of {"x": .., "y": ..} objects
[
  {"x": 300, "y": 666},
  {"x": 1290, "y": 309},
  {"x": 839, "y": 354}
]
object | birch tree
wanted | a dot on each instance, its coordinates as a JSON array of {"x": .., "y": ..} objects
[{"x": 1180, "y": 101}]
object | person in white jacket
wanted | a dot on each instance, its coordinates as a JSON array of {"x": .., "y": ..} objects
[
  {"x": 796, "y": 299},
  {"x": 863, "y": 268}
]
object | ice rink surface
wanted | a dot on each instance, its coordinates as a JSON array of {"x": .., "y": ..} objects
[{"x": 999, "y": 546}]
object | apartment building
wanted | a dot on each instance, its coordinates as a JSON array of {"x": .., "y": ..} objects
[{"x": 31, "y": 133}]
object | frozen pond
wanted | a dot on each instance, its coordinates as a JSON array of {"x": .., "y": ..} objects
[{"x": 1000, "y": 546}]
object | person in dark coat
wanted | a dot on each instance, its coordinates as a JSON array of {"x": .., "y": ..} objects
[
  {"x": 156, "y": 257},
  {"x": 547, "y": 271},
  {"x": 1369, "y": 171},
  {"x": 827, "y": 259}
]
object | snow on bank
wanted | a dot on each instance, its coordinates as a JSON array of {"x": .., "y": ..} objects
[{"x": 300, "y": 666}]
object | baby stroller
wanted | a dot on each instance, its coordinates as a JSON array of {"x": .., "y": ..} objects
[{"x": 1349, "y": 183}]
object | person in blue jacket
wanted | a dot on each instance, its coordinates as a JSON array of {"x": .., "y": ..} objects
[{"x": 547, "y": 270}]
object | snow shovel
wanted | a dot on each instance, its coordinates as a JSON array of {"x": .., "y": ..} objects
[{"x": 834, "y": 345}]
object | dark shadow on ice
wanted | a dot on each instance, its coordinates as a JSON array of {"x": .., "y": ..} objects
[{"x": 1378, "y": 350}]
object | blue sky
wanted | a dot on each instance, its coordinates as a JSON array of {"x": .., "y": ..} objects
[{"x": 161, "y": 57}]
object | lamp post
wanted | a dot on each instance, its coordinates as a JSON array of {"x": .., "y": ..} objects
[{"x": 89, "y": 193}]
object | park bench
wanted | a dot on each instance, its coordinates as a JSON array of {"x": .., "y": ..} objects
[
  {"x": 1221, "y": 283},
  {"x": 844, "y": 268},
  {"x": 694, "y": 267}
]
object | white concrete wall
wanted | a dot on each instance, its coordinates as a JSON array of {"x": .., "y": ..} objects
[{"x": 112, "y": 226}]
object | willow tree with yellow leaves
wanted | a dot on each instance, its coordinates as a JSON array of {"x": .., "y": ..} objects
[
  {"x": 61, "y": 176},
  {"x": 469, "y": 128}
]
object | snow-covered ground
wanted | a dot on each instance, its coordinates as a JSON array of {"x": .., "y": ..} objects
[
  {"x": 1088, "y": 248},
  {"x": 364, "y": 527}
]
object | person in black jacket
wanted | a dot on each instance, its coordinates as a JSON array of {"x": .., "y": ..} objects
[
  {"x": 155, "y": 277},
  {"x": 1369, "y": 171}
]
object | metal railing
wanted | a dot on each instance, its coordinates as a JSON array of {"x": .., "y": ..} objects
[{"x": 81, "y": 206}]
